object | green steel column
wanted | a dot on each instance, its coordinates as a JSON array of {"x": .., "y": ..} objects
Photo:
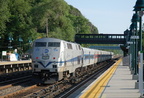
[
  {"x": 136, "y": 54},
  {"x": 140, "y": 34},
  {"x": 134, "y": 38},
  {"x": 133, "y": 55},
  {"x": 132, "y": 49},
  {"x": 136, "y": 47}
]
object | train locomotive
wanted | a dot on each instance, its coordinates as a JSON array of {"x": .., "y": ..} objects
[{"x": 54, "y": 59}]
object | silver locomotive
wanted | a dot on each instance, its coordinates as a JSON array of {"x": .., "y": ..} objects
[{"x": 54, "y": 59}]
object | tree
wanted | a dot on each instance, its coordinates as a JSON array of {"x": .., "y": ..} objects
[
  {"x": 19, "y": 23},
  {"x": 4, "y": 15},
  {"x": 28, "y": 20}
]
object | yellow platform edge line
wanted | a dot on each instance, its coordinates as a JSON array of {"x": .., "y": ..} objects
[{"x": 96, "y": 89}]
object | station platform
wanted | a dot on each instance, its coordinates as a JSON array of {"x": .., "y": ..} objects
[{"x": 118, "y": 84}]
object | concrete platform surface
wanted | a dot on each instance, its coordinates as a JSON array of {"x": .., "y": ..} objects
[{"x": 121, "y": 84}]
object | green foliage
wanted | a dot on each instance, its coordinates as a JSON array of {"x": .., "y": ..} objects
[
  {"x": 4, "y": 15},
  {"x": 28, "y": 20}
]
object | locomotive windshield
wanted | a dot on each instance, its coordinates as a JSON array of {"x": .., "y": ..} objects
[
  {"x": 40, "y": 44},
  {"x": 54, "y": 44}
]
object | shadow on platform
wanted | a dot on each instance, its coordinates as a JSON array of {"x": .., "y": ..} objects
[{"x": 126, "y": 61}]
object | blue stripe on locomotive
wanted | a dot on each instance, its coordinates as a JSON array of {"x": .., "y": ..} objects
[
  {"x": 70, "y": 60},
  {"x": 86, "y": 56}
]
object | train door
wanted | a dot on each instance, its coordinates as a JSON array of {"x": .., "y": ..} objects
[
  {"x": 95, "y": 56},
  {"x": 82, "y": 56},
  {"x": 89, "y": 57},
  {"x": 65, "y": 52}
]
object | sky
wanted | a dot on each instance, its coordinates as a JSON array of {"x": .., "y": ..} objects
[{"x": 109, "y": 16}]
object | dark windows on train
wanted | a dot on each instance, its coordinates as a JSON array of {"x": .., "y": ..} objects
[
  {"x": 69, "y": 46},
  {"x": 76, "y": 47},
  {"x": 54, "y": 44},
  {"x": 40, "y": 44},
  {"x": 79, "y": 47}
]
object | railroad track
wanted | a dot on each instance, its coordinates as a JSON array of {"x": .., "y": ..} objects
[
  {"x": 14, "y": 75},
  {"x": 91, "y": 77},
  {"x": 25, "y": 92},
  {"x": 11, "y": 86},
  {"x": 65, "y": 88},
  {"x": 15, "y": 81},
  {"x": 61, "y": 89}
]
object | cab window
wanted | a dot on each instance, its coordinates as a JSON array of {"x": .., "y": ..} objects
[
  {"x": 54, "y": 44},
  {"x": 40, "y": 44}
]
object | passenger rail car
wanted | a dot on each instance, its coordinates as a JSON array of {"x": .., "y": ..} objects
[{"x": 54, "y": 59}]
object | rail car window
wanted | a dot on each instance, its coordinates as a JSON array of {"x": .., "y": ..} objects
[
  {"x": 76, "y": 47},
  {"x": 79, "y": 47},
  {"x": 54, "y": 44},
  {"x": 69, "y": 46},
  {"x": 40, "y": 44}
]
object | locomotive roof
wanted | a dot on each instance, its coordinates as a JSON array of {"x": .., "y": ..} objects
[
  {"x": 59, "y": 40},
  {"x": 53, "y": 39},
  {"x": 48, "y": 39}
]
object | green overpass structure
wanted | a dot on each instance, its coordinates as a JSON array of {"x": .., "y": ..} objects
[
  {"x": 100, "y": 38},
  {"x": 106, "y": 47},
  {"x": 120, "y": 39}
]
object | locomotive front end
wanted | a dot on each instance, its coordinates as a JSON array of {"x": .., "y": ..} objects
[{"x": 45, "y": 61}]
